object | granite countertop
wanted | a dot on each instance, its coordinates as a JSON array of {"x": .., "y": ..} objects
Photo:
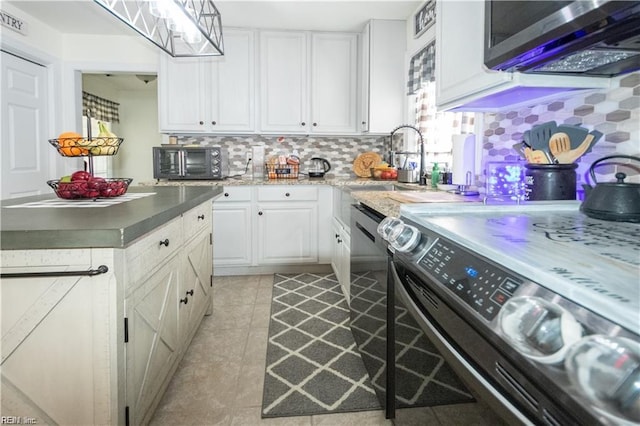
[{"x": 25, "y": 226}]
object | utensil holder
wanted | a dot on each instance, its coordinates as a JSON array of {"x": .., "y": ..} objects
[
  {"x": 550, "y": 182},
  {"x": 408, "y": 175}
]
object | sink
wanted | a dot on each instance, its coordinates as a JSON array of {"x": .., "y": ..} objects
[{"x": 385, "y": 187}]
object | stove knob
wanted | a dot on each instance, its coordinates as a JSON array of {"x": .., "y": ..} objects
[
  {"x": 606, "y": 370},
  {"x": 404, "y": 238},
  {"x": 387, "y": 225}
]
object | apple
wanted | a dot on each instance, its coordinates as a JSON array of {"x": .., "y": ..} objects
[
  {"x": 96, "y": 183},
  {"x": 80, "y": 175}
]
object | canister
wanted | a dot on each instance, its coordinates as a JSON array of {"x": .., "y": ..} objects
[{"x": 550, "y": 182}]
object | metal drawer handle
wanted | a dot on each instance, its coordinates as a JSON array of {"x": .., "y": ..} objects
[
  {"x": 226, "y": 194},
  {"x": 287, "y": 194},
  {"x": 165, "y": 242},
  {"x": 185, "y": 300},
  {"x": 259, "y": 213},
  {"x": 201, "y": 217},
  {"x": 190, "y": 292},
  {"x": 91, "y": 272}
]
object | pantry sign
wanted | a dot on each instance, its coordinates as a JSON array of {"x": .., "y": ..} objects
[{"x": 13, "y": 23}]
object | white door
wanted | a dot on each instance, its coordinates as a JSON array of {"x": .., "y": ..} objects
[{"x": 25, "y": 150}]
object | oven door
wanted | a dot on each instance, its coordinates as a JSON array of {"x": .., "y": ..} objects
[{"x": 437, "y": 320}]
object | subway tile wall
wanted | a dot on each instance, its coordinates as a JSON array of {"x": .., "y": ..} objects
[
  {"x": 614, "y": 112},
  {"x": 339, "y": 151}
]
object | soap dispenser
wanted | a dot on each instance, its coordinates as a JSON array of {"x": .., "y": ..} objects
[{"x": 435, "y": 175}]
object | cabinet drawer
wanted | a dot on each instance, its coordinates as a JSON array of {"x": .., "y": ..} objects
[
  {"x": 196, "y": 220},
  {"x": 152, "y": 249},
  {"x": 234, "y": 193},
  {"x": 287, "y": 192}
]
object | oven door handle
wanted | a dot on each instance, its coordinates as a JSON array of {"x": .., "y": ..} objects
[{"x": 365, "y": 232}]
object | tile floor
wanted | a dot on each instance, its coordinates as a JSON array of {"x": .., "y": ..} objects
[{"x": 219, "y": 381}]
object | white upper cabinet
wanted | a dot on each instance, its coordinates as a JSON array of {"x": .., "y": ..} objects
[
  {"x": 382, "y": 85},
  {"x": 210, "y": 94},
  {"x": 308, "y": 82},
  {"x": 462, "y": 80}
]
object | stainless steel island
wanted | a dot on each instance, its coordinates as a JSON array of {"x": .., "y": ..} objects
[{"x": 101, "y": 347}]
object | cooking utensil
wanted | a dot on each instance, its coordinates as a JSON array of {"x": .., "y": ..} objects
[
  {"x": 536, "y": 156},
  {"x": 539, "y": 135},
  {"x": 558, "y": 143},
  {"x": 615, "y": 201},
  {"x": 571, "y": 156}
]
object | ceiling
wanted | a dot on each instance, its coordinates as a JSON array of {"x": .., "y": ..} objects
[{"x": 87, "y": 17}]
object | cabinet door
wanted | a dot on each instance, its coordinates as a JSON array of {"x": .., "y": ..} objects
[
  {"x": 336, "y": 249},
  {"x": 194, "y": 295},
  {"x": 287, "y": 233},
  {"x": 283, "y": 81},
  {"x": 183, "y": 93},
  {"x": 333, "y": 83},
  {"x": 460, "y": 69},
  {"x": 232, "y": 234},
  {"x": 56, "y": 352},
  {"x": 153, "y": 341},
  {"x": 233, "y": 91}
]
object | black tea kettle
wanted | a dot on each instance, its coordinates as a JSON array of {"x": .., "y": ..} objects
[
  {"x": 615, "y": 201},
  {"x": 318, "y": 167}
]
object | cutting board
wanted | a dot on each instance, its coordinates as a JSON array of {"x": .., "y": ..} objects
[{"x": 430, "y": 197}]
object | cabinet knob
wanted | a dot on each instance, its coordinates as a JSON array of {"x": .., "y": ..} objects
[
  {"x": 337, "y": 235},
  {"x": 226, "y": 194},
  {"x": 315, "y": 124},
  {"x": 303, "y": 123},
  {"x": 164, "y": 242},
  {"x": 201, "y": 122},
  {"x": 190, "y": 292},
  {"x": 185, "y": 300},
  {"x": 214, "y": 123},
  {"x": 363, "y": 123},
  {"x": 339, "y": 240},
  {"x": 259, "y": 213},
  {"x": 201, "y": 217},
  {"x": 287, "y": 194}
]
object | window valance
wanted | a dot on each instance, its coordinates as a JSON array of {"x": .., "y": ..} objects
[
  {"x": 422, "y": 68},
  {"x": 101, "y": 109}
]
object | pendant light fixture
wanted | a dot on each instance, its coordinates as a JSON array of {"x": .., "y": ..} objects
[{"x": 182, "y": 28}]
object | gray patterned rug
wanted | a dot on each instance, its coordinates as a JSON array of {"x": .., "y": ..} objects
[{"x": 313, "y": 365}]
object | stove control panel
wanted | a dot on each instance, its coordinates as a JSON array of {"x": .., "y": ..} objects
[{"x": 481, "y": 285}]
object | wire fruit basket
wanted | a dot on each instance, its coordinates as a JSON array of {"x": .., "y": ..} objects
[
  {"x": 83, "y": 147},
  {"x": 94, "y": 187},
  {"x": 282, "y": 171}
]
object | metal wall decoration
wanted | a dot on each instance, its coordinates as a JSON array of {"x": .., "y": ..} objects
[
  {"x": 182, "y": 28},
  {"x": 425, "y": 18}
]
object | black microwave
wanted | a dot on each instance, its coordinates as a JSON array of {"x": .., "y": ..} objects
[
  {"x": 178, "y": 163},
  {"x": 591, "y": 38}
]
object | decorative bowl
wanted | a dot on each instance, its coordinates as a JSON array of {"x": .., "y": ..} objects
[
  {"x": 80, "y": 147},
  {"x": 92, "y": 188}
]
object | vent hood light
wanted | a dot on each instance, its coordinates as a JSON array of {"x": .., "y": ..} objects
[
  {"x": 587, "y": 60},
  {"x": 182, "y": 28}
]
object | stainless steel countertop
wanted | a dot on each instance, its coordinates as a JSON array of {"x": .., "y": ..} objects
[{"x": 99, "y": 227}]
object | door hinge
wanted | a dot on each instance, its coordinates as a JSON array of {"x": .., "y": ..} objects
[
  {"x": 210, "y": 280},
  {"x": 210, "y": 238},
  {"x": 126, "y": 415},
  {"x": 126, "y": 329}
]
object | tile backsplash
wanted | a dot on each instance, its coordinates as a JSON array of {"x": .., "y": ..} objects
[
  {"x": 340, "y": 151},
  {"x": 614, "y": 112}
]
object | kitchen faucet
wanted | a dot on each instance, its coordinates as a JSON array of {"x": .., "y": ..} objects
[{"x": 422, "y": 178}]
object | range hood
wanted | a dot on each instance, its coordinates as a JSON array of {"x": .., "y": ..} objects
[{"x": 591, "y": 38}]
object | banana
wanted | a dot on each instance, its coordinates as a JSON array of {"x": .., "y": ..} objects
[
  {"x": 107, "y": 141},
  {"x": 104, "y": 132}
]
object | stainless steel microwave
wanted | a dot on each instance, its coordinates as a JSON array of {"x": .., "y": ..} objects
[
  {"x": 181, "y": 163},
  {"x": 591, "y": 38}
]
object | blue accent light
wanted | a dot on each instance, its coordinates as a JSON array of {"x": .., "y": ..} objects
[{"x": 470, "y": 271}]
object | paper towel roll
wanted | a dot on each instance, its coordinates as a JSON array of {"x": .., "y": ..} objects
[{"x": 463, "y": 153}]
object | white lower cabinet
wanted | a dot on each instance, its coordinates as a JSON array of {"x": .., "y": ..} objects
[
  {"x": 102, "y": 349},
  {"x": 340, "y": 255},
  {"x": 263, "y": 226}
]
